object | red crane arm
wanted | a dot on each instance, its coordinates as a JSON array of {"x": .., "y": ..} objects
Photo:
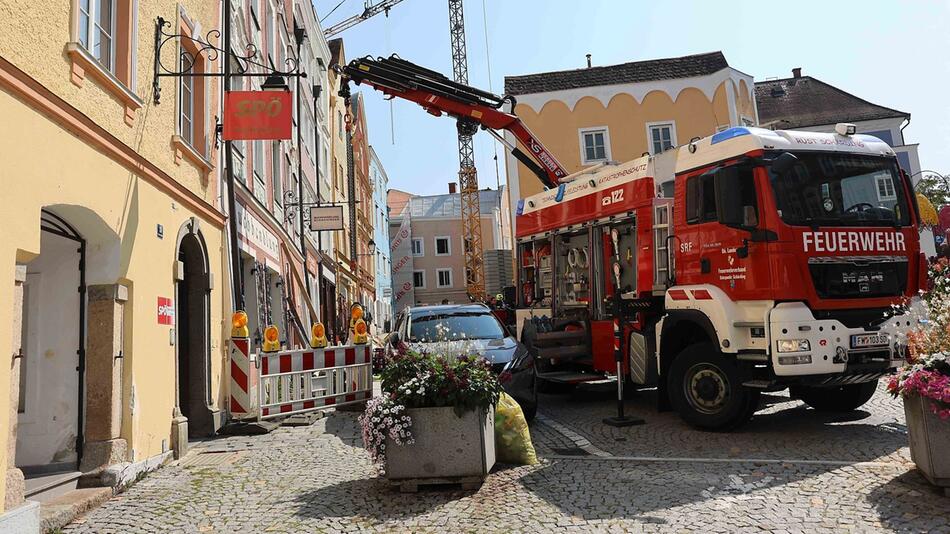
[{"x": 472, "y": 107}]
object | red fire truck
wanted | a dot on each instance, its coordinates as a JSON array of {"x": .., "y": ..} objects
[
  {"x": 748, "y": 261},
  {"x": 752, "y": 260}
]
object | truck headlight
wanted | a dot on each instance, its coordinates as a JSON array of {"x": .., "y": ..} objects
[{"x": 793, "y": 345}]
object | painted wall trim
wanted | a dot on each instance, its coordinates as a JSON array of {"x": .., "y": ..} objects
[
  {"x": 604, "y": 93},
  {"x": 38, "y": 97}
]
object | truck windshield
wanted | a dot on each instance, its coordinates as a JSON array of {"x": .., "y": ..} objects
[{"x": 841, "y": 190}]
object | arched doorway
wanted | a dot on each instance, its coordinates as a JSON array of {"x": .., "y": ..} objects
[
  {"x": 192, "y": 324},
  {"x": 49, "y": 435}
]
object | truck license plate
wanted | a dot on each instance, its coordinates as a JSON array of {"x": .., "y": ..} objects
[{"x": 860, "y": 341}]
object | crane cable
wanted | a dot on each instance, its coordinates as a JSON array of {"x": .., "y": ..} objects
[
  {"x": 494, "y": 143},
  {"x": 392, "y": 121}
]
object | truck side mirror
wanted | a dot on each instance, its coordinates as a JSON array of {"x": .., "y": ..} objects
[{"x": 784, "y": 162}]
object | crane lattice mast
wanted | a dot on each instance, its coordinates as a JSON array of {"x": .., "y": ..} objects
[{"x": 468, "y": 177}]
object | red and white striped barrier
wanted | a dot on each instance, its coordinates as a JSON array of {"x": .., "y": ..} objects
[
  {"x": 244, "y": 381},
  {"x": 272, "y": 384}
]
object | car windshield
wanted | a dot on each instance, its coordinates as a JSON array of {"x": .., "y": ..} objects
[
  {"x": 841, "y": 190},
  {"x": 427, "y": 328}
]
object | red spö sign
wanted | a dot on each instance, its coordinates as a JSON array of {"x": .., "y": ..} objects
[
  {"x": 166, "y": 311},
  {"x": 251, "y": 115}
]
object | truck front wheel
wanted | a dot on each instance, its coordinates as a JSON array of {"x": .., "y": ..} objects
[
  {"x": 706, "y": 389},
  {"x": 836, "y": 398}
]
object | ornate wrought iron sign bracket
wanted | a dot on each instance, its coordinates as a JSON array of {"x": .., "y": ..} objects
[{"x": 196, "y": 50}]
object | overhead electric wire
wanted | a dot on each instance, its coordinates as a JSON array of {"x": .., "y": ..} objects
[{"x": 332, "y": 10}]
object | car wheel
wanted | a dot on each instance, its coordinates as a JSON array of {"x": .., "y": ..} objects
[
  {"x": 836, "y": 399},
  {"x": 706, "y": 389}
]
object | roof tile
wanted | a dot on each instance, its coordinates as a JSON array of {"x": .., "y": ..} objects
[
  {"x": 634, "y": 72},
  {"x": 806, "y": 101}
]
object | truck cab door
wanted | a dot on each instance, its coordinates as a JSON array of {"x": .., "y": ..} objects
[{"x": 722, "y": 243}]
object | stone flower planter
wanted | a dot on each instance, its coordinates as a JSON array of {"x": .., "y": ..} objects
[
  {"x": 929, "y": 440},
  {"x": 447, "y": 448}
]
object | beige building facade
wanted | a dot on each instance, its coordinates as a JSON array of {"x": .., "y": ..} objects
[
  {"x": 436, "y": 244},
  {"x": 114, "y": 291},
  {"x": 620, "y": 112}
]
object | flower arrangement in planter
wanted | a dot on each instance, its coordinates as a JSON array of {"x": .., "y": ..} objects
[
  {"x": 924, "y": 381},
  {"x": 927, "y": 371},
  {"x": 439, "y": 404}
]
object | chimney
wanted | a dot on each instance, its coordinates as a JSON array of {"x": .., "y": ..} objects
[
  {"x": 452, "y": 190},
  {"x": 588, "y": 61},
  {"x": 797, "y": 72}
]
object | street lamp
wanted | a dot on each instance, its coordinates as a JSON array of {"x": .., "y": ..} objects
[
  {"x": 372, "y": 248},
  {"x": 275, "y": 82}
]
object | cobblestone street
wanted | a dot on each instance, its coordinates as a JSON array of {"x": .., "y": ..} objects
[{"x": 790, "y": 470}]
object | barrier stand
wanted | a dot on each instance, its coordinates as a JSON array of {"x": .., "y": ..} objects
[
  {"x": 279, "y": 383},
  {"x": 620, "y": 420}
]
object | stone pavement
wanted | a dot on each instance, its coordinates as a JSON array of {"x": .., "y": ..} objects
[{"x": 807, "y": 474}]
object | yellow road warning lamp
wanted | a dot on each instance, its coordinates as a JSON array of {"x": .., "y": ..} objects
[
  {"x": 356, "y": 313},
  {"x": 239, "y": 324},
  {"x": 357, "y": 325},
  {"x": 359, "y": 333},
  {"x": 318, "y": 336},
  {"x": 271, "y": 339}
]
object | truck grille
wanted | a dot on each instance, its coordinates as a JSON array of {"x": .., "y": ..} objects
[{"x": 859, "y": 277}]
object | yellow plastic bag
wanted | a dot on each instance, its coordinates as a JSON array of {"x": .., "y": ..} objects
[{"x": 512, "y": 439}]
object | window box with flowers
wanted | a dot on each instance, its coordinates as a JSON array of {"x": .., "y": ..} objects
[
  {"x": 924, "y": 381},
  {"x": 435, "y": 419}
]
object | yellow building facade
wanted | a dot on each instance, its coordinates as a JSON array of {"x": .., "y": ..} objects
[
  {"x": 619, "y": 112},
  {"x": 112, "y": 256}
]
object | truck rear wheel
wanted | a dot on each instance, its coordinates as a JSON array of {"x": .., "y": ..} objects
[
  {"x": 706, "y": 389},
  {"x": 836, "y": 398}
]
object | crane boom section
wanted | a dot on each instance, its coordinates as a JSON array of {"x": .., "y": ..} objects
[
  {"x": 439, "y": 96},
  {"x": 369, "y": 11}
]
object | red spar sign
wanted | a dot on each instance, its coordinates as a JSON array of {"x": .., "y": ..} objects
[
  {"x": 255, "y": 115},
  {"x": 166, "y": 311}
]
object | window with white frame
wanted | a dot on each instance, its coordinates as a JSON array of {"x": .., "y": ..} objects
[
  {"x": 276, "y": 178},
  {"x": 445, "y": 277},
  {"x": 186, "y": 97},
  {"x": 443, "y": 246},
  {"x": 418, "y": 249},
  {"x": 595, "y": 145},
  {"x": 885, "y": 188},
  {"x": 271, "y": 37},
  {"x": 239, "y": 149},
  {"x": 661, "y": 136},
  {"x": 97, "y": 30},
  {"x": 255, "y": 16},
  {"x": 419, "y": 279}
]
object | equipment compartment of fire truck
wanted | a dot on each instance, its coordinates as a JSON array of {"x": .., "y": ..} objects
[{"x": 751, "y": 260}]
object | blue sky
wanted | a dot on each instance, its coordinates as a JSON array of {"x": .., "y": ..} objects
[{"x": 892, "y": 53}]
